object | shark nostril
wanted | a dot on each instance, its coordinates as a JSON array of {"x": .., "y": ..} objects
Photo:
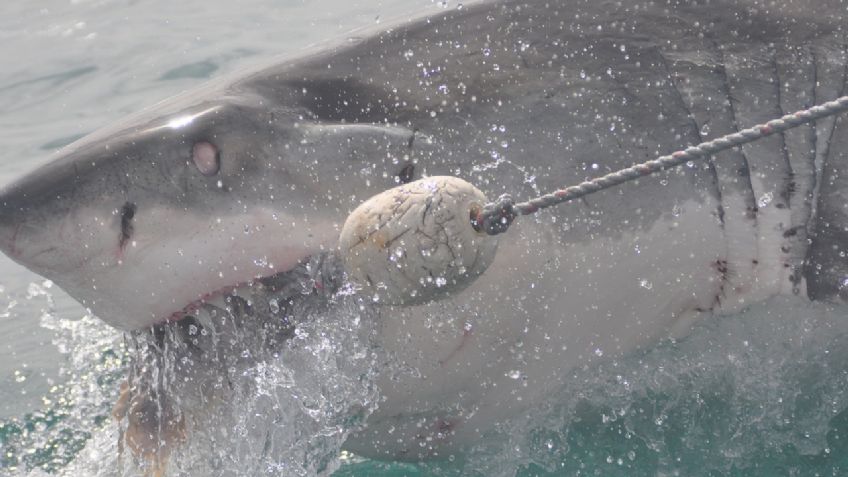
[
  {"x": 205, "y": 157},
  {"x": 127, "y": 215}
]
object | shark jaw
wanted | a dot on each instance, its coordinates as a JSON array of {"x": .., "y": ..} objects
[{"x": 170, "y": 264}]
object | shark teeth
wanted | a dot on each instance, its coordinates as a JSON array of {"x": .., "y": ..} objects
[{"x": 318, "y": 274}]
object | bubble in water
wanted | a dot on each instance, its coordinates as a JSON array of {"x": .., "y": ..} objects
[{"x": 19, "y": 376}]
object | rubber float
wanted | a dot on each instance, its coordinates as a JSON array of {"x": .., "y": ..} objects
[{"x": 417, "y": 242}]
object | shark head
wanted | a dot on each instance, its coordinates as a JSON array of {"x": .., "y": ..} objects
[{"x": 144, "y": 219}]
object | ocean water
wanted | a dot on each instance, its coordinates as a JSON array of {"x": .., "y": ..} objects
[{"x": 761, "y": 393}]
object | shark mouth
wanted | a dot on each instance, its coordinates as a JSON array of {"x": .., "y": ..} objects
[{"x": 319, "y": 275}]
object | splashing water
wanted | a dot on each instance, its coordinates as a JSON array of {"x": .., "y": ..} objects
[
  {"x": 278, "y": 398},
  {"x": 761, "y": 393},
  {"x": 764, "y": 392}
]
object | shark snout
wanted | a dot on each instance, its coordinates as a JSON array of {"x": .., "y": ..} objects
[{"x": 34, "y": 211}]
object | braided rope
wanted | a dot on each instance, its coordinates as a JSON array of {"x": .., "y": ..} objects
[{"x": 496, "y": 217}]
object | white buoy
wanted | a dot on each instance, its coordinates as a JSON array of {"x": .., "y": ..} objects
[{"x": 415, "y": 243}]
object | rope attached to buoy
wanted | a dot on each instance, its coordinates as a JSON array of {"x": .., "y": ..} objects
[
  {"x": 433, "y": 237},
  {"x": 496, "y": 217}
]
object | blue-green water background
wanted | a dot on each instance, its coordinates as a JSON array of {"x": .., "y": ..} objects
[{"x": 763, "y": 393}]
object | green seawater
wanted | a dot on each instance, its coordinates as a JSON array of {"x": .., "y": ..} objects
[
  {"x": 592, "y": 447},
  {"x": 763, "y": 393}
]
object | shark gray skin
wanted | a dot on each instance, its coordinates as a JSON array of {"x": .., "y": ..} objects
[{"x": 249, "y": 175}]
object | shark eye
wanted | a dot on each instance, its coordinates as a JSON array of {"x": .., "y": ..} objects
[{"x": 205, "y": 156}]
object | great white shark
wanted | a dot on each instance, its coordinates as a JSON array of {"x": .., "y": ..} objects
[{"x": 250, "y": 175}]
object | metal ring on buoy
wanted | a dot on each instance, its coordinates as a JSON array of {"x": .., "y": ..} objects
[{"x": 416, "y": 243}]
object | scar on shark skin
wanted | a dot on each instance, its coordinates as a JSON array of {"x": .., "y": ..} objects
[{"x": 466, "y": 336}]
